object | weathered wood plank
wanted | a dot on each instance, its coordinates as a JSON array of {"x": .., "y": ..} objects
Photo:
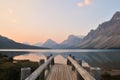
[
  {"x": 60, "y": 59},
  {"x": 85, "y": 75},
  {"x": 61, "y": 72}
]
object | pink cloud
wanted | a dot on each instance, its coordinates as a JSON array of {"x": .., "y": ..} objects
[
  {"x": 85, "y": 3},
  {"x": 80, "y": 4}
]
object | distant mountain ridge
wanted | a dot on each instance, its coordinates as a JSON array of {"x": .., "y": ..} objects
[
  {"x": 107, "y": 35},
  {"x": 38, "y": 44},
  {"x": 6, "y": 43},
  {"x": 49, "y": 43},
  {"x": 70, "y": 42}
]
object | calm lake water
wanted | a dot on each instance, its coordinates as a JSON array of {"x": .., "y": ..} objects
[{"x": 95, "y": 57}]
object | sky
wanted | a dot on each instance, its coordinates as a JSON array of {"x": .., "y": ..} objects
[{"x": 38, "y": 20}]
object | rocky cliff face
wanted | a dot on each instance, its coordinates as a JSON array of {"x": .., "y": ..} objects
[
  {"x": 107, "y": 35},
  {"x": 71, "y": 41}
]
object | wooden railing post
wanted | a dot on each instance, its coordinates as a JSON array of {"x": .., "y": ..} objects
[
  {"x": 48, "y": 68},
  {"x": 70, "y": 55},
  {"x": 73, "y": 68},
  {"x": 51, "y": 55},
  {"x": 39, "y": 73},
  {"x": 42, "y": 75},
  {"x": 79, "y": 62},
  {"x": 79, "y": 77},
  {"x": 52, "y": 61},
  {"x": 68, "y": 62},
  {"x": 25, "y": 72},
  {"x": 42, "y": 61},
  {"x": 82, "y": 74},
  {"x": 48, "y": 57}
]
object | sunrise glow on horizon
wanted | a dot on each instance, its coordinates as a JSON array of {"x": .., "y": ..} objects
[{"x": 38, "y": 20}]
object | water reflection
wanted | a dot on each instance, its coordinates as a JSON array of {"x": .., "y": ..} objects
[
  {"x": 31, "y": 57},
  {"x": 105, "y": 58}
]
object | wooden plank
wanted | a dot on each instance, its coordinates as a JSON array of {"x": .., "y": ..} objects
[
  {"x": 60, "y": 59},
  {"x": 61, "y": 72},
  {"x": 85, "y": 75},
  {"x": 39, "y": 70}
]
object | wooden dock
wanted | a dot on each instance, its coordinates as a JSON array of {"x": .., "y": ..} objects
[
  {"x": 61, "y": 72},
  {"x": 58, "y": 68}
]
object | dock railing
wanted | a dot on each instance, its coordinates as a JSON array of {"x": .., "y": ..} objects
[
  {"x": 39, "y": 73},
  {"x": 82, "y": 74}
]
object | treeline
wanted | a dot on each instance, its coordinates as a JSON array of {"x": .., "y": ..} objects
[{"x": 10, "y": 69}]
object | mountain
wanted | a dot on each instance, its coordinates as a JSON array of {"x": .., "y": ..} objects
[
  {"x": 49, "y": 43},
  {"x": 6, "y": 43},
  {"x": 107, "y": 35},
  {"x": 39, "y": 44},
  {"x": 26, "y": 43},
  {"x": 71, "y": 41}
]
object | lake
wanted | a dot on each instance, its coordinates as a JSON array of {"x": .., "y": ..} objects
[{"x": 108, "y": 58}]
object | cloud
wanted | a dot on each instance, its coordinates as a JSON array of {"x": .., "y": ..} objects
[
  {"x": 80, "y": 4},
  {"x": 85, "y": 3}
]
